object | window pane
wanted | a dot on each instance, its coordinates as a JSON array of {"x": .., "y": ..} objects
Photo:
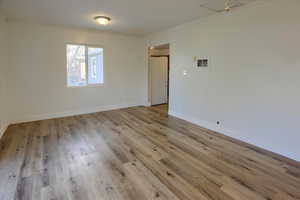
[
  {"x": 76, "y": 65},
  {"x": 95, "y": 65}
]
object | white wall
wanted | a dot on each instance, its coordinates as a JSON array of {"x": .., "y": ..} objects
[
  {"x": 37, "y": 75},
  {"x": 252, "y": 83},
  {"x": 3, "y": 68}
]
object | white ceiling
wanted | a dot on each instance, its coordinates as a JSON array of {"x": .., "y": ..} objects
[{"x": 137, "y": 17}]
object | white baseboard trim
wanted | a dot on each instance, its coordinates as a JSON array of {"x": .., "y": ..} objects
[
  {"x": 38, "y": 117},
  {"x": 205, "y": 124},
  {"x": 147, "y": 104},
  {"x": 3, "y": 129},
  {"x": 230, "y": 133}
]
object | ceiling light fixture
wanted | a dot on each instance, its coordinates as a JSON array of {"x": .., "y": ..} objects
[{"x": 103, "y": 20}]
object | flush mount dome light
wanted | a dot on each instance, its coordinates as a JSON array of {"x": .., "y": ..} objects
[{"x": 103, "y": 20}]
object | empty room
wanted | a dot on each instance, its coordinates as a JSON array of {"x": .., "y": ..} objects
[{"x": 145, "y": 100}]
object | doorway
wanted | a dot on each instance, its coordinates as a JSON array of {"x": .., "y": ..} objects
[{"x": 159, "y": 70}]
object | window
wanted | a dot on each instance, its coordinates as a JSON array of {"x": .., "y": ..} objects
[{"x": 84, "y": 65}]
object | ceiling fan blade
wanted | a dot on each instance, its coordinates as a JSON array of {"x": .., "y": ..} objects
[
  {"x": 228, "y": 7},
  {"x": 236, "y": 5},
  {"x": 211, "y": 9}
]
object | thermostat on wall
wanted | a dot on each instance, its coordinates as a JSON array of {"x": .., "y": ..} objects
[{"x": 202, "y": 62}]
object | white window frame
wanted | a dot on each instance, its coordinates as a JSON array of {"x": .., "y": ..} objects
[{"x": 86, "y": 65}]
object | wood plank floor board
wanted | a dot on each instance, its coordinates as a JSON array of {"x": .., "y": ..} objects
[{"x": 137, "y": 153}]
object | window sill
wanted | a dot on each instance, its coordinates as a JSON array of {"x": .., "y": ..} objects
[{"x": 87, "y": 86}]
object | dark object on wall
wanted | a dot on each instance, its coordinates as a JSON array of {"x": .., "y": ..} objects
[{"x": 202, "y": 63}]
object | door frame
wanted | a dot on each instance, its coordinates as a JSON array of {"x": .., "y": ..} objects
[{"x": 168, "y": 81}]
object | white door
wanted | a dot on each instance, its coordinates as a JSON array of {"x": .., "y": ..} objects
[{"x": 159, "y": 80}]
